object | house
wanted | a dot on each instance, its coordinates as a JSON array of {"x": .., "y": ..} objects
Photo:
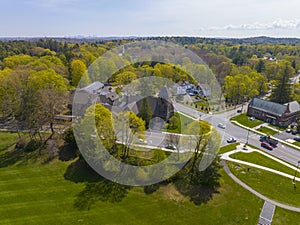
[
  {"x": 96, "y": 92},
  {"x": 86, "y": 96},
  {"x": 274, "y": 113}
]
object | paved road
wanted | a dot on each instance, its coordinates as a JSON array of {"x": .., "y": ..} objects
[
  {"x": 291, "y": 208},
  {"x": 283, "y": 152}
]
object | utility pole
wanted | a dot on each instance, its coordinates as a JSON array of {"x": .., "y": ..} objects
[{"x": 294, "y": 180}]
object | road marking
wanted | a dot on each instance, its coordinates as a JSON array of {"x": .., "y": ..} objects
[{"x": 290, "y": 155}]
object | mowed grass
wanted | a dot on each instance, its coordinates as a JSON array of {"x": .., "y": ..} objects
[
  {"x": 267, "y": 130},
  {"x": 245, "y": 120},
  {"x": 7, "y": 139},
  {"x": 38, "y": 193},
  {"x": 182, "y": 122},
  {"x": 283, "y": 216},
  {"x": 259, "y": 159},
  {"x": 271, "y": 185},
  {"x": 228, "y": 148}
]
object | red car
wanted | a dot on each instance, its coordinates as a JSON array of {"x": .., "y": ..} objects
[{"x": 266, "y": 145}]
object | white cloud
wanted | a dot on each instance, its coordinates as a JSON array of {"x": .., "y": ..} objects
[{"x": 277, "y": 24}]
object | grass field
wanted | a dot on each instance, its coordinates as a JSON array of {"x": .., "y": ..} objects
[
  {"x": 285, "y": 217},
  {"x": 245, "y": 120},
  {"x": 33, "y": 192},
  {"x": 7, "y": 140},
  {"x": 269, "y": 184},
  {"x": 228, "y": 148},
  {"x": 266, "y": 130},
  {"x": 259, "y": 159},
  {"x": 182, "y": 121}
]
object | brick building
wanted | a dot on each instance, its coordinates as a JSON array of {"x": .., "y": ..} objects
[{"x": 274, "y": 113}]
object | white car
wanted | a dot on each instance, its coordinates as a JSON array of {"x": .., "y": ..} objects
[{"x": 221, "y": 125}]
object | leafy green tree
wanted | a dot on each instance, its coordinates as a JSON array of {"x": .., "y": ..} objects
[
  {"x": 145, "y": 111},
  {"x": 282, "y": 93},
  {"x": 78, "y": 69},
  {"x": 125, "y": 78},
  {"x": 128, "y": 126}
]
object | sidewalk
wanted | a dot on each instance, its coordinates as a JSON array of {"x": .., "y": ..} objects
[
  {"x": 226, "y": 156},
  {"x": 227, "y": 170}
]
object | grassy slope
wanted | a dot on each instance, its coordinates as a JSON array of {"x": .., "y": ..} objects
[
  {"x": 267, "y": 130},
  {"x": 259, "y": 159},
  {"x": 228, "y": 148},
  {"x": 36, "y": 193},
  {"x": 244, "y": 120},
  {"x": 7, "y": 140},
  {"x": 271, "y": 185},
  {"x": 283, "y": 216}
]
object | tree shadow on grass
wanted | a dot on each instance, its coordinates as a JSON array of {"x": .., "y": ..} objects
[
  {"x": 66, "y": 153},
  {"x": 105, "y": 191},
  {"x": 18, "y": 156},
  {"x": 198, "y": 194},
  {"x": 96, "y": 188}
]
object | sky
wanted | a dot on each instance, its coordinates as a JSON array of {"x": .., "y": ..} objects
[{"x": 103, "y": 18}]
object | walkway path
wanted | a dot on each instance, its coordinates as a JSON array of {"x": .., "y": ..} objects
[
  {"x": 226, "y": 156},
  {"x": 291, "y": 208},
  {"x": 267, "y": 214}
]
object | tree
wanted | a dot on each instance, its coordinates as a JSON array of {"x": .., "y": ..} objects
[
  {"x": 78, "y": 69},
  {"x": 127, "y": 127},
  {"x": 282, "y": 93},
  {"x": 199, "y": 132},
  {"x": 125, "y": 78},
  {"x": 145, "y": 111},
  {"x": 260, "y": 66}
]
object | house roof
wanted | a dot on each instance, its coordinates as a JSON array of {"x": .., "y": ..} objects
[
  {"x": 267, "y": 106},
  {"x": 164, "y": 93},
  {"x": 93, "y": 88},
  {"x": 293, "y": 106}
]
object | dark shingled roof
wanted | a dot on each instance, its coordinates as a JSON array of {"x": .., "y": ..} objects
[
  {"x": 293, "y": 106},
  {"x": 93, "y": 88},
  {"x": 267, "y": 106},
  {"x": 164, "y": 93}
]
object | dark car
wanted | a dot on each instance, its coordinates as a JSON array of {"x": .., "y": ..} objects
[
  {"x": 294, "y": 132},
  {"x": 297, "y": 139},
  {"x": 231, "y": 140},
  {"x": 266, "y": 145},
  {"x": 239, "y": 111},
  {"x": 289, "y": 130},
  {"x": 172, "y": 147}
]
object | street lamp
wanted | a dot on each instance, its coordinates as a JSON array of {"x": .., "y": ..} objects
[
  {"x": 294, "y": 180},
  {"x": 247, "y": 138}
]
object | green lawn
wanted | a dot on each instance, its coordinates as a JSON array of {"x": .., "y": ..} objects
[
  {"x": 7, "y": 139},
  {"x": 271, "y": 185},
  {"x": 267, "y": 130},
  {"x": 228, "y": 148},
  {"x": 182, "y": 121},
  {"x": 245, "y": 120},
  {"x": 259, "y": 159},
  {"x": 33, "y": 192},
  {"x": 283, "y": 216}
]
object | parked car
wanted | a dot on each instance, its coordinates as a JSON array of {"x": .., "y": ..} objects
[
  {"x": 266, "y": 145},
  {"x": 297, "y": 139},
  {"x": 288, "y": 130},
  {"x": 221, "y": 125},
  {"x": 231, "y": 140},
  {"x": 140, "y": 140},
  {"x": 239, "y": 111},
  {"x": 171, "y": 146},
  {"x": 252, "y": 118},
  {"x": 294, "y": 132}
]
